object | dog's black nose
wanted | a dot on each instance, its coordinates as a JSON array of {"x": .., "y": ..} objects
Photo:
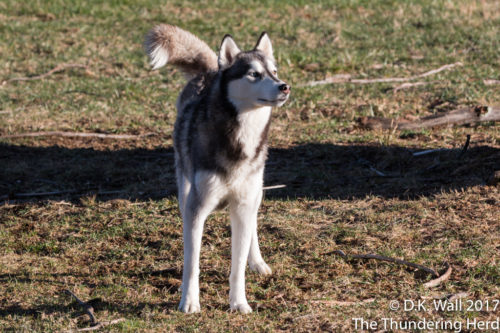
[{"x": 285, "y": 88}]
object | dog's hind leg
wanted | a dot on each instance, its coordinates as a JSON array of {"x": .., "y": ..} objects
[
  {"x": 255, "y": 260},
  {"x": 183, "y": 187},
  {"x": 200, "y": 202}
]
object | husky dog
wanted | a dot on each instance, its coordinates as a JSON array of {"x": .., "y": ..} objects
[{"x": 220, "y": 143}]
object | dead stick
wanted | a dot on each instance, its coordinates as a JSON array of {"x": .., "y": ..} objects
[
  {"x": 101, "y": 325},
  {"x": 273, "y": 187},
  {"x": 346, "y": 78},
  {"x": 428, "y": 151},
  {"x": 88, "y": 308},
  {"x": 464, "y": 149},
  {"x": 453, "y": 297},
  {"x": 384, "y": 258},
  {"x": 56, "y": 69},
  {"x": 460, "y": 116},
  {"x": 77, "y": 134},
  {"x": 440, "y": 279}
]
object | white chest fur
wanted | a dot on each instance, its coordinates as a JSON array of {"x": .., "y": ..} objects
[{"x": 252, "y": 126}]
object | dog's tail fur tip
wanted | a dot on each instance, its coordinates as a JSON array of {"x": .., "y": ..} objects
[{"x": 170, "y": 44}]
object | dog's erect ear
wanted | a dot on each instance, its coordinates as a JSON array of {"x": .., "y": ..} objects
[
  {"x": 264, "y": 45},
  {"x": 228, "y": 51}
]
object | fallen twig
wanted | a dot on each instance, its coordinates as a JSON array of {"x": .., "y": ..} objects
[
  {"x": 384, "y": 258},
  {"x": 464, "y": 149},
  {"x": 101, "y": 325},
  {"x": 440, "y": 279},
  {"x": 435, "y": 282},
  {"x": 273, "y": 187},
  {"x": 77, "y": 134},
  {"x": 449, "y": 297},
  {"x": 56, "y": 69},
  {"x": 346, "y": 78},
  {"x": 460, "y": 116},
  {"x": 88, "y": 308},
  {"x": 342, "y": 303},
  {"x": 379, "y": 173},
  {"x": 453, "y": 297},
  {"x": 428, "y": 151},
  {"x": 369, "y": 165}
]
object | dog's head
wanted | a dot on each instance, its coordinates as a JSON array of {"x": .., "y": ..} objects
[{"x": 251, "y": 76}]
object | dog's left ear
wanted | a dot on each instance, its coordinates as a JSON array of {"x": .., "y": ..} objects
[{"x": 264, "y": 45}]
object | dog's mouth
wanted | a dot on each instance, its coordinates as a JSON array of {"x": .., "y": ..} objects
[{"x": 278, "y": 100}]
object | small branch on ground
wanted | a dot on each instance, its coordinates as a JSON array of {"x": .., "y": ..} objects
[
  {"x": 369, "y": 165},
  {"x": 101, "y": 325},
  {"x": 379, "y": 173},
  {"x": 464, "y": 149},
  {"x": 461, "y": 116},
  {"x": 86, "y": 307},
  {"x": 428, "y": 151},
  {"x": 58, "y": 68},
  {"x": 453, "y": 297},
  {"x": 433, "y": 283},
  {"x": 449, "y": 297},
  {"x": 384, "y": 258},
  {"x": 273, "y": 187},
  {"x": 89, "y": 310},
  {"x": 440, "y": 279},
  {"x": 78, "y": 135},
  {"x": 346, "y": 78}
]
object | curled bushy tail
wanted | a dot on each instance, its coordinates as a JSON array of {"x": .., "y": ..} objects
[{"x": 170, "y": 44}]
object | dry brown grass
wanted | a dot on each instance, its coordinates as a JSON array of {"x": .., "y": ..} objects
[{"x": 113, "y": 233}]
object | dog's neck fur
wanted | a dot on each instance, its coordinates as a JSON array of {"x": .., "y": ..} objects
[{"x": 253, "y": 129}]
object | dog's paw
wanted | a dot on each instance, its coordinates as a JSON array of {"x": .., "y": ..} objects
[
  {"x": 262, "y": 268},
  {"x": 243, "y": 308},
  {"x": 189, "y": 306}
]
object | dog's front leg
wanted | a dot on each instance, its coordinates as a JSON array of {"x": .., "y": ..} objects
[
  {"x": 243, "y": 223},
  {"x": 197, "y": 208}
]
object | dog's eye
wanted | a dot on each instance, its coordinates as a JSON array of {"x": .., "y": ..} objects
[
  {"x": 254, "y": 74},
  {"x": 275, "y": 72}
]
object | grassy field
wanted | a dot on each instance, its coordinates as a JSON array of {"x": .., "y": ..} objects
[{"x": 111, "y": 232}]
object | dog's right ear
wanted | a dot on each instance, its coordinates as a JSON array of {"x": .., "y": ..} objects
[{"x": 228, "y": 51}]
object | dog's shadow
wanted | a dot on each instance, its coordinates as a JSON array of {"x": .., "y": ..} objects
[{"x": 314, "y": 171}]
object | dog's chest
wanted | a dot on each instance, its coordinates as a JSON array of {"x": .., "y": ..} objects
[{"x": 252, "y": 131}]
